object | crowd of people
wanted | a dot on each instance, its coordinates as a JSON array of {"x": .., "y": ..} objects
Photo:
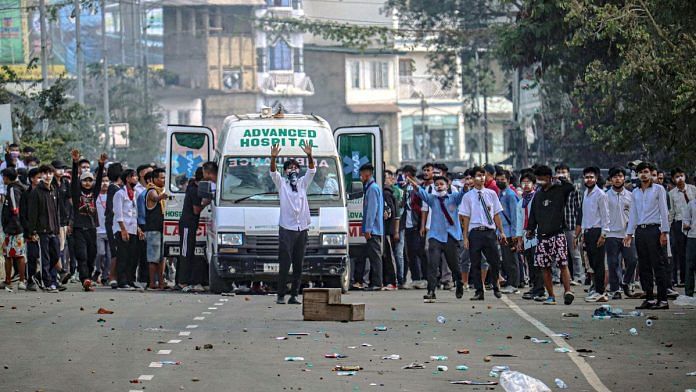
[
  {"x": 489, "y": 229},
  {"x": 94, "y": 225},
  {"x": 481, "y": 229}
]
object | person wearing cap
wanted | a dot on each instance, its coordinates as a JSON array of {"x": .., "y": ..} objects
[
  {"x": 84, "y": 193},
  {"x": 294, "y": 219}
]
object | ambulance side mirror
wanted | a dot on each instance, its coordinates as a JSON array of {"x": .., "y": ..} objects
[{"x": 356, "y": 190}]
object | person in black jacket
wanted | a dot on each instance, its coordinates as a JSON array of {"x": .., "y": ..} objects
[
  {"x": 61, "y": 184},
  {"x": 32, "y": 247},
  {"x": 44, "y": 226},
  {"x": 114, "y": 174},
  {"x": 84, "y": 193},
  {"x": 391, "y": 225},
  {"x": 13, "y": 246}
]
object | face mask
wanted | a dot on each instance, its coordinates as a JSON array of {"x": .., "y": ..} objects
[
  {"x": 541, "y": 182},
  {"x": 560, "y": 176},
  {"x": 292, "y": 179},
  {"x": 441, "y": 193},
  {"x": 14, "y": 154},
  {"x": 501, "y": 185},
  {"x": 480, "y": 178},
  {"x": 528, "y": 187}
]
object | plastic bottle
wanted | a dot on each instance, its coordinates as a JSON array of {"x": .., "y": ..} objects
[
  {"x": 462, "y": 367},
  {"x": 441, "y": 319},
  {"x": 438, "y": 358},
  {"x": 633, "y": 331},
  {"x": 560, "y": 384},
  {"x": 294, "y": 359},
  {"x": 649, "y": 323},
  {"x": 442, "y": 368}
]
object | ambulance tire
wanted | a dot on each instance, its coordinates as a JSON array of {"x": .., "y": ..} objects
[
  {"x": 217, "y": 284},
  {"x": 342, "y": 282}
]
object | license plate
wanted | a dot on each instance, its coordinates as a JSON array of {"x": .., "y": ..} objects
[
  {"x": 175, "y": 251},
  {"x": 199, "y": 251},
  {"x": 271, "y": 267}
]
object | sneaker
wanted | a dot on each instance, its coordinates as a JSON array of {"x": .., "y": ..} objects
[
  {"x": 62, "y": 288},
  {"x": 460, "y": 290},
  {"x": 574, "y": 283},
  {"x": 477, "y": 297},
  {"x": 95, "y": 276},
  {"x": 646, "y": 305},
  {"x": 497, "y": 294},
  {"x": 672, "y": 294},
  {"x": 52, "y": 289},
  {"x": 616, "y": 295},
  {"x": 187, "y": 289},
  {"x": 568, "y": 297},
  {"x": 550, "y": 301},
  {"x": 489, "y": 287},
  {"x": 22, "y": 286},
  {"x": 280, "y": 300},
  {"x": 126, "y": 287},
  {"x": 113, "y": 284},
  {"x": 592, "y": 297},
  {"x": 37, "y": 282},
  {"x": 198, "y": 288},
  {"x": 64, "y": 277},
  {"x": 420, "y": 285},
  {"x": 6, "y": 286},
  {"x": 430, "y": 296},
  {"x": 390, "y": 287},
  {"x": 447, "y": 286},
  {"x": 509, "y": 290},
  {"x": 540, "y": 298},
  {"x": 662, "y": 305},
  {"x": 357, "y": 286},
  {"x": 603, "y": 298},
  {"x": 528, "y": 295},
  {"x": 294, "y": 301}
]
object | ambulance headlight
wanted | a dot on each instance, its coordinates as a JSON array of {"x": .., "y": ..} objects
[
  {"x": 333, "y": 240},
  {"x": 230, "y": 239}
]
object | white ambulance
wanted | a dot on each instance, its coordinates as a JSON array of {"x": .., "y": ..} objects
[{"x": 238, "y": 234}]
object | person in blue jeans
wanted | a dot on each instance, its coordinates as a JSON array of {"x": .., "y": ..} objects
[
  {"x": 508, "y": 199},
  {"x": 445, "y": 234},
  {"x": 372, "y": 227}
]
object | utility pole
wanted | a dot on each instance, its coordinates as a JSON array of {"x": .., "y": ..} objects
[
  {"x": 78, "y": 53},
  {"x": 143, "y": 41},
  {"x": 485, "y": 124},
  {"x": 105, "y": 71},
  {"x": 424, "y": 128},
  {"x": 44, "y": 56},
  {"x": 121, "y": 31}
]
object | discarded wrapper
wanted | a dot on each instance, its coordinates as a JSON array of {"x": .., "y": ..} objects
[
  {"x": 346, "y": 368},
  {"x": 104, "y": 311},
  {"x": 380, "y": 328},
  {"x": 392, "y": 356},
  {"x": 471, "y": 382},
  {"x": 335, "y": 355},
  {"x": 414, "y": 365},
  {"x": 298, "y": 333},
  {"x": 463, "y": 351}
]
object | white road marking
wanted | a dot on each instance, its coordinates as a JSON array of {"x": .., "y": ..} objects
[
  {"x": 224, "y": 299},
  {"x": 155, "y": 364},
  {"x": 164, "y": 352},
  {"x": 199, "y": 318},
  {"x": 218, "y": 304},
  {"x": 212, "y": 308},
  {"x": 206, "y": 312},
  {"x": 192, "y": 326},
  {"x": 580, "y": 362},
  {"x": 184, "y": 333},
  {"x": 174, "y": 341},
  {"x": 146, "y": 377}
]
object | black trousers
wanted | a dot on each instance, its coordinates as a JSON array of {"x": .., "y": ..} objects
[
  {"x": 511, "y": 266},
  {"x": 678, "y": 253},
  {"x": 85, "y": 246},
  {"x": 192, "y": 270},
  {"x": 373, "y": 254},
  {"x": 484, "y": 243},
  {"x": 127, "y": 256},
  {"x": 652, "y": 262},
  {"x": 436, "y": 250},
  {"x": 536, "y": 274},
  {"x": 388, "y": 263},
  {"x": 33, "y": 257},
  {"x": 291, "y": 250},
  {"x": 50, "y": 254},
  {"x": 415, "y": 253},
  {"x": 596, "y": 256}
]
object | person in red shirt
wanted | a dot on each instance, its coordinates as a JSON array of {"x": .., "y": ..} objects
[{"x": 489, "y": 183}]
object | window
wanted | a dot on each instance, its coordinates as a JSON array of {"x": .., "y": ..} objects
[
  {"x": 261, "y": 60},
  {"x": 438, "y": 138},
  {"x": 354, "y": 74},
  {"x": 379, "y": 75},
  {"x": 297, "y": 63},
  {"x": 281, "y": 56},
  {"x": 279, "y": 3},
  {"x": 405, "y": 67}
]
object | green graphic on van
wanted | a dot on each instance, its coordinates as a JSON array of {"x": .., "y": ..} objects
[{"x": 282, "y": 136}]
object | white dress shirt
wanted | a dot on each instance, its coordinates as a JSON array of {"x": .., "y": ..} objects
[
  {"x": 471, "y": 206},
  {"x": 677, "y": 201},
  {"x": 126, "y": 211},
  {"x": 619, "y": 210},
  {"x": 294, "y": 207},
  {"x": 595, "y": 212},
  {"x": 689, "y": 218},
  {"x": 649, "y": 207}
]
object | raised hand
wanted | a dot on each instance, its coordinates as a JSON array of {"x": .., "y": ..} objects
[
  {"x": 75, "y": 154},
  {"x": 103, "y": 158},
  {"x": 275, "y": 150},
  {"x": 307, "y": 148}
]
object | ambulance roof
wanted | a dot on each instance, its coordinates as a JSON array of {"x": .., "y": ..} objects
[{"x": 253, "y": 135}]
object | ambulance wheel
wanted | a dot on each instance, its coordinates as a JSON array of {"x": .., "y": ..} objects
[{"x": 342, "y": 282}]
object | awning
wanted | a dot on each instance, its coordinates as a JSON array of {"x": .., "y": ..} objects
[
  {"x": 193, "y": 3},
  {"x": 374, "y": 108}
]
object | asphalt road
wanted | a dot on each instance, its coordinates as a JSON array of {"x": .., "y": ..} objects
[{"x": 57, "y": 342}]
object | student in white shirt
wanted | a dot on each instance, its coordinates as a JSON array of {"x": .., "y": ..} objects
[
  {"x": 126, "y": 230},
  {"x": 294, "y": 219}
]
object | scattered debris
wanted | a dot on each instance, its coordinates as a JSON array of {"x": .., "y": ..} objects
[
  {"x": 101, "y": 320},
  {"x": 684, "y": 300},
  {"x": 392, "y": 357},
  {"x": 296, "y": 333},
  {"x": 335, "y": 355},
  {"x": 342, "y": 373},
  {"x": 442, "y": 368},
  {"x": 562, "y": 350},
  {"x": 569, "y": 314},
  {"x": 104, "y": 311},
  {"x": 584, "y": 350},
  {"x": 487, "y": 359},
  {"x": 294, "y": 359},
  {"x": 471, "y": 382},
  {"x": 438, "y": 358},
  {"x": 346, "y": 368},
  {"x": 462, "y": 367},
  {"x": 441, "y": 319},
  {"x": 380, "y": 328},
  {"x": 414, "y": 365},
  {"x": 633, "y": 331},
  {"x": 281, "y": 338},
  {"x": 544, "y": 341},
  {"x": 649, "y": 322},
  {"x": 560, "y": 384},
  {"x": 605, "y": 312},
  {"x": 463, "y": 351}
]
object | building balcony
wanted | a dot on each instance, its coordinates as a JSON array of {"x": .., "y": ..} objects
[
  {"x": 415, "y": 87},
  {"x": 286, "y": 84}
]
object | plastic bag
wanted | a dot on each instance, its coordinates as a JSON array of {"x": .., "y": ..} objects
[
  {"x": 684, "y": 300},
  {"x": 513, "y": 381}
]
